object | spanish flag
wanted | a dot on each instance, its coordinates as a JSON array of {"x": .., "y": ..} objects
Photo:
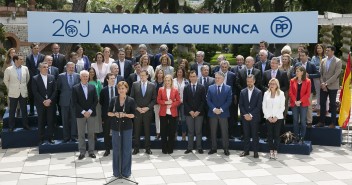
[{"x": 345, "y": 96}]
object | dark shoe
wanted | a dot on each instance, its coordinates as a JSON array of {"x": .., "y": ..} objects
[
  {"x": 41, "y": 142},
  {"x": 73, "y": 140},
  {"x": 170, "y": 152},
  {"x": 26, "y": 127},
  {"x": 241, "y": 138},
  {"x": 244, "y": 154},
  {"x": 106, "y": 153},
  {"x": 135, "y": 151},
  {"x": 148, "y": 151},
  {"x": 31, "y": 114},
  {"x": 10, "y": 129},
  {"x": 66, "y": 140},
  {"x": 332, "y": 125},
  {"x": 256, "y": 155},
  {"x": 81, "y": 156},
  {"x": 212, "y": 152},
  {"x": 164, "y": 152},
  {"x": 226, "y": 152},
  {"x": 231, "y": 137},
  {"x": 200, "y": 151},
  {"x": 188, "y": 151},
  {"x": 51, "y": 141},
  {"x": 309, "y": 125},
  {"x": 92, "y": 156},
  {"x": 320, "y": 124}
]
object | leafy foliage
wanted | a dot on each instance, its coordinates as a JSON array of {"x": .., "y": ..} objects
[{"x": 209, "y": 50}]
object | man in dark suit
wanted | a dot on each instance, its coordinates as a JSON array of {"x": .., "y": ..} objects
[
  {"x": 114, "y": 69},
  {"x": 74, "y": 60},
  {"x": 263, "y": 45},
  {"x": 217, "y": 68},
  {"x": 250, "y": 108},
  {"x": 264, "y": 63},
  {"x": 219, "y": 99},
  {"x": 65, "y": 82},
  {"x": 144, "y": 94},
  {"x": 52, "y": 70},
  {"x": 59, "y": 60},
  {"x": 312, "y": 72},
  {"x": 206, "y": 81},
  {"x": 44, "y": 91},
  {"x": 199, "y": 63},
  {"x": 163, "y": 51},
  {"x": 230, "y": 79},
  {"x": 106, "y": 94},
  {"x": 32, "y": 62},
  {"x": 142, "y": 48},
  {"x": 239, "y": 65},
  {"x": 194, "y": 102},
  {"x": 85, "y": 98},
  {"x": 125, "y": 66},
  {"x": 275, "y": 72},
  {"x": 244, "y": 72},
  {"x": 134, "y": 77}
]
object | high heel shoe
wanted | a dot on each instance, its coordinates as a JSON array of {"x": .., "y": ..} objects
[
  {"x": 271, "y": 154},
  {"x": 275, "y": 154}
]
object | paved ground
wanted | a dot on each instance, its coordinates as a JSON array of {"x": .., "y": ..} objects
[{"x": 325, "y": 165}]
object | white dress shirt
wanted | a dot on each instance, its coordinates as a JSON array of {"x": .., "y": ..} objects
[
  {"x": 122, "y": 67},
  {"x": 45, "y": 80},
  {"x": 250, "y": 94}
]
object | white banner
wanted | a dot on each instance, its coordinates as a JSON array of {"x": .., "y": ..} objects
[{"x": 242, "y": 28}]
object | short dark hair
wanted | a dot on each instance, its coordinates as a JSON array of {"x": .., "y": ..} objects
[
  {"x": 144, "y": 70},
  {"x": 305, "y": 51},
  {"x": 15, "y": 57},
  {"x": 251, "y": 76},
  {"x": 331, "y": 47},
  {"x": 192, "y": 71},
  {"x": 34, "y": 44},
  {"x": 72, "y": 54},
  {"x": 136, "y": 64},
  {"x": 108, "y": 75},
  {"x": 264, "y": 42}
]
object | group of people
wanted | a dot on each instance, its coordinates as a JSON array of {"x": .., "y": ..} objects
[{"x": 124, "y": 94}]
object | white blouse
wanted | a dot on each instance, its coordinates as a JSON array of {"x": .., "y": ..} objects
[
  {"x": 168, "y": 92},
  {"x": 274, "y": 107},
  {"x": 180, "y": 87},
  {"x": 101, "y": 74}
]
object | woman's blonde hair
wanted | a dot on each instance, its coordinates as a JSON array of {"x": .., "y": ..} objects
[
  {"x": 277, "y": 84},
  {"x": 168, "y": 76},
  {"x": 123, "y": 83},
  {"x": 167, "y": 58}
]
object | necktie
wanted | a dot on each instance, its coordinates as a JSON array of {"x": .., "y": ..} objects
[
  {"x": 85, "y": 91},
  {"x": 143, "y": 89},
  {"x": 204, "y": 80},
  {"x": 111, "y": 92},
  {"x": 218, "y": 89},
  {"x": 49, "y": 70},
  {"x": 248, "y": 72},
  {"x": 273, "y": 75},
  {"x": 76, "y": 68},
  {"x": 240, "y": 67},
  {"x": 71, "y": 81},
  {"x": 193, "y": 89}
]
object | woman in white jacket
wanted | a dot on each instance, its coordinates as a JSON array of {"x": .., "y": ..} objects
[{"x": 273, "y": 109}]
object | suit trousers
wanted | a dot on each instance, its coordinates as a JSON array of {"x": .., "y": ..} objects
[
  {"x": 323, "y": 98},
  {"x": 13, "y": 105},
  {"x": 30, "y": 96},
  {"x": 250, "y": 127},
  {"x": 106, "y": 129},
  {"x": 139, "y": 120},
  {"x": 45, "y": 115},
  {"x": 194, "y": 125},
  {"x": 224, "y": 127},
  {"x": 274, "y": 134},
  {"x": 82, "y": 124},
  {"x": 69, "y": 122},
  {"x": 167, "y": 131},
  {"x": 122, "y": 153}
]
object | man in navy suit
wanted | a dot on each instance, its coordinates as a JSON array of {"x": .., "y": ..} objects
[
  {"x": 106, "y": 94},
  {"x": 44, "y": 91},
  {"x": 263, "y": 45},
  {"x": 32, "y": 62},
  {"x": 52, "y": 70},
  {"x": 219, "y": 99},
  {"x": 59, "y": 60},
  {"x": 250, "y": 107},
  {"x": 65, "y": 82},
  {"x": 85, "y": 98},
  {"x": 230, "y": 79},
  {"x": 194, "y": 102},
  {"x": 239, "y": 65},
  {"x": 312, "y": 72},
  {"x": 125, "y": 66}
]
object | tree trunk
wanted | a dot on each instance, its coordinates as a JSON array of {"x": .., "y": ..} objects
[
  {"x": 257, "y": 6},
  {"x": 79, "y": 5}
]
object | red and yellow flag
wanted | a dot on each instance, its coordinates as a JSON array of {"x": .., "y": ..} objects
[{"x": 345, "y": 96}]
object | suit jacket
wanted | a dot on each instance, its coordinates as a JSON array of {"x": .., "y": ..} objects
[
  {"x": 332, "y": 76},
  {"x": 214, "y": 70},
  {"x": 104, "y": 101},
  {"x": 253, "y": 107},
  {"x": 32, "y": 66},
  {"x": 60, "y": 62},
  {"x": 78, "y": 68},
  {"x": 210, "y": 81},
  {"x": 305, "y": 92},
  {"x": 156, "y": 60},
  {"x": 259, "y": 66},
  {"x": 117, "y": 80},
  {"x": 86, "y": 62},
  {"x": 195, "y": 67},
  {"x": 236, "y": 68},
  {"x": 128, "y": 68},
  {"x": 54, "y": 71},
  {"x": 222, "y": 100},
  {"x": 41, "y": 93},
  {"x": 162, "y": 97},
  {"x": 14, "y": 86},
  {"x": 280, "y": 75},
  {"x": 122, "y": 124},
  {"x": 241, "y": 79},
  {"x": 231, "y": 81},
  {"x": 64, "y": 89},
  {"x": 311, "y": 70},
  {"x": 194, "y": 102},
  {"x": 148, "y": 100},
  {"x": 270, "y": 56},
  {"x": 81, "y": 103}
]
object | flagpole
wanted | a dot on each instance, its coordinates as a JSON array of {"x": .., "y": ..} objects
[{"x": 348, "y": 124}]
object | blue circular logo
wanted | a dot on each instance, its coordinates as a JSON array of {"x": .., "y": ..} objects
[{"x": 281, "y": 26}]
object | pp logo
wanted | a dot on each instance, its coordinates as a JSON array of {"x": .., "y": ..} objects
[
  {"x": 281, "y": 26},
  {"x": 71, "y": 28}
]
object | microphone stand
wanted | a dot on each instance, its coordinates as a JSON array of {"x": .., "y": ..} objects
[{"x": 120, "y": 153}]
